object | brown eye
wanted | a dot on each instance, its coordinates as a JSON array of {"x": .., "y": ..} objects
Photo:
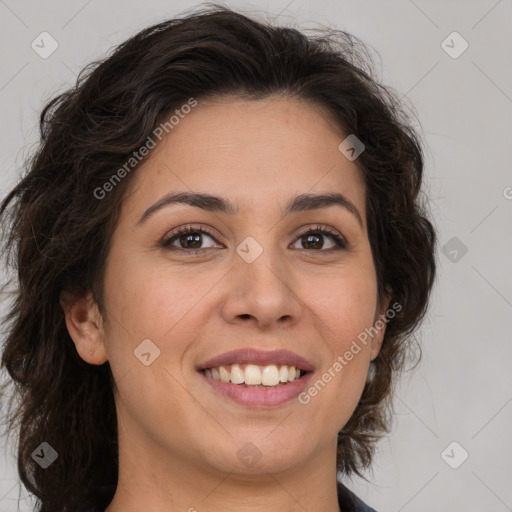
[
  {"x": 187, "y": 238},
  {"x": 314, "y": 240},
  {"x": 190, "y": 241}
]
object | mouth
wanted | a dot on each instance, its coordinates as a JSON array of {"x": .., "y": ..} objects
[
  {"x": 255, "y": 378},
  {"x": 252, "y": 375}
]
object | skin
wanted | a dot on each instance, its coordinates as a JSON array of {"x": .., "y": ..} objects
[{"x": 178, "y": 439}]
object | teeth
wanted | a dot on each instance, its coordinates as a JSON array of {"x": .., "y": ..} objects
[
  {"x": 237, "y": 375},
  {"x": 254, "y": 375},
  {"x": 270, "y": 375},
  {"x": 224, "y": 374}
]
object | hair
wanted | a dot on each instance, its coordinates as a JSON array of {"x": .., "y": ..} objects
[{"x": 56, "y": 232}]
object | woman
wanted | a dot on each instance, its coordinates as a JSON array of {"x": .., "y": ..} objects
[{"x": 221, "y": 255}]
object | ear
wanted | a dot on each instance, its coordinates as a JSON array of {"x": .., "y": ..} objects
[
  {"x": 85, "y": 326},
  {"x": 379, "y": 324}
]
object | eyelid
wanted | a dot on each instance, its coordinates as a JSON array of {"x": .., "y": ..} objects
[
  {"x": 185, "y": 229},
  {"x": 337, "y": 236},
  {"x": 339, "y": 239},
  {"x": 322, "y": 228}
]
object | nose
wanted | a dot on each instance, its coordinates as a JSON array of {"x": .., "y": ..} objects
[{"x": 262, "y": 293}]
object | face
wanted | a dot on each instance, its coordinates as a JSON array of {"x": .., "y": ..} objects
[{"x": 186, "y": 285}]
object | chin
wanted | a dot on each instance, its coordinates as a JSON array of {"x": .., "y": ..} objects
[{"x": 241, "y": 456}]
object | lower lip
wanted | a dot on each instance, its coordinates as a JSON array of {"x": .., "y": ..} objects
[{"x": 259, "y": 397}]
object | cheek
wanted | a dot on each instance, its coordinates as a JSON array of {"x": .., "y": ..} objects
[
  {"x": 345, "y": 309},
  {"x": 344, "y": 318},
  {"x": 151, "y": 299},
  {"x": 149, "y": 303},
  {"x": 345, "y": 303}
]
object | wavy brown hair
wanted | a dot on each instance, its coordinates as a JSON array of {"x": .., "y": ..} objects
[{"x": 56, "y": 233}]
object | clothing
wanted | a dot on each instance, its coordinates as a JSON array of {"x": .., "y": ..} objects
[{"x": 349, "y": 502}]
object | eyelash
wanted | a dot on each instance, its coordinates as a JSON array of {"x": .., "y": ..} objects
[{"x": 339, "y": 240}]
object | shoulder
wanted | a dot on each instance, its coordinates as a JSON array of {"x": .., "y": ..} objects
[{"x": 349, "y": 502}]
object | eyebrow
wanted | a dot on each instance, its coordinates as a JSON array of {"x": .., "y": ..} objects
[{"x": 303, "y": 202}]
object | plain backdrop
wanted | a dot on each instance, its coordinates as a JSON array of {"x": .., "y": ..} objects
[{"x": 457, "y": 403}]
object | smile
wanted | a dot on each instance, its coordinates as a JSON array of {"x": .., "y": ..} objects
[
  {"x": 256, "y": 378},
  {"x": 254, "y": 375}
]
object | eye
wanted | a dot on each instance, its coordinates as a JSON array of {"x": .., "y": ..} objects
[
  {"x": 187, "y": 237},
  {"x": 190, "y": 239},
  {"x": 313, "y": 239}
]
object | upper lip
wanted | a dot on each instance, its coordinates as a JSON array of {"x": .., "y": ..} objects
[{"x": 255, "y": 356}]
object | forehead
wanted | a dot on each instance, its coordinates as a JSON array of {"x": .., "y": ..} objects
[{"x": 254, "y": 151}]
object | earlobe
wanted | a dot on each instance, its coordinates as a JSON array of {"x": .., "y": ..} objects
[
  {"x": 379, "y": 324},
  {"x": 85, "y": 327},
  {"x": 377, "y": 343}
]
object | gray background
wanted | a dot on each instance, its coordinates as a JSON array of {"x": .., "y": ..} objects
[{"x": 462, "y": 390}]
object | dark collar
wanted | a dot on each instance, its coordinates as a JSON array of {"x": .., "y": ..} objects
[{"x": 349, "y": 502}]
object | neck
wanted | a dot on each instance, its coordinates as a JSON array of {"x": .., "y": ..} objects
[{"x": 153, "y": 480}]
